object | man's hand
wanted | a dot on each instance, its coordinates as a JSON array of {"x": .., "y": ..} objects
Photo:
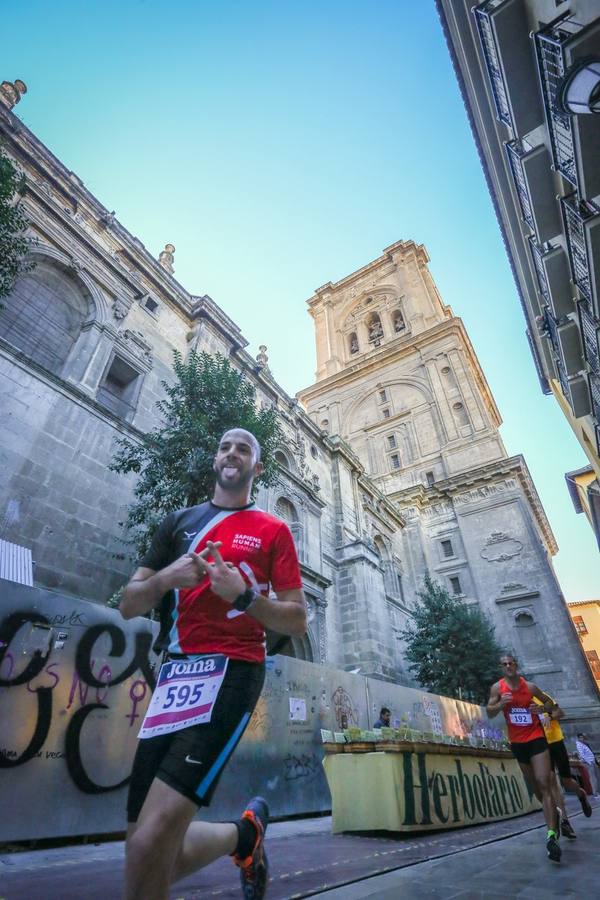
[
  {"x": 225, "y": 579},
  {"x": 505, "y": 700},
  {"x": 189, "y": 570}
]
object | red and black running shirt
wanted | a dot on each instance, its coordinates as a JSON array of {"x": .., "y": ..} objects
[{"x": 196, "y": 620}]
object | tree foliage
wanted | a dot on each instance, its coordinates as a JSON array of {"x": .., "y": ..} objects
[
  {"x": 174, "y": 462},
  {"x": 451, "y": 647},
  {"x": 14, "y": 245}
]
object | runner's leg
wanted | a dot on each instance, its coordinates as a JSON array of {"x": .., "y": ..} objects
[
  {"x": 542, "y": 773},
  {"x": 155, "y": 841},
  {"x": 204, "y": 842}
]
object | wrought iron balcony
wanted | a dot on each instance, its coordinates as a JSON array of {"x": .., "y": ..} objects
[
  {"x": 582, "y": 227},
  {"x": 594, "y": 383},
  {"x": 550, "y": 330},
  {"x": 590, "y": 336},
  {"x": 554, "y": 278},
  {"x": 531, "y": 170},
  {"x": 575, "y": 140},
  {"x": 504, "y": 36}
]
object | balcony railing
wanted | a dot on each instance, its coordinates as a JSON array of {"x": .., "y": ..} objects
[
  {"x": 537, "y": 255},
  {"x": 515, "y": 152},
  {"x": 594, "y": 382},
  {"x": 552, "y": 67},
  {"x": 551, "y": 329},
  {"x": 576, "y": 215},
  {"x": 590, "y": 336},
  {"x": 490, "y": 52}
]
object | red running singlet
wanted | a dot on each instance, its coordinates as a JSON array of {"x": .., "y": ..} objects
[{"x": 522, "y": 725}]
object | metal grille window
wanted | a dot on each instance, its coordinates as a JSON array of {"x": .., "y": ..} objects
[
  {"x": 430, "y": 478},
  {"x": 386, "y": 413},
  {"x": 551, "y": 63},
  {"x": 383, "y": 396},
  {"x": 455, "y": 585},
  {"x": 391, "y": 439},
  {"x": 490, "y": 52},
  {"x": 395, "y": 461},
  {"x": 447, "y": 549},
  {"x": 579, "y": 625},
  {"x": 514, "y": 152},
  {"x": 589, "y": 331}
]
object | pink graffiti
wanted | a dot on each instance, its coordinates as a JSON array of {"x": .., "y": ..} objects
[{"x": 135, "y": 699}]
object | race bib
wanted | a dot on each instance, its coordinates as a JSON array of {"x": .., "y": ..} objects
[
  {"x": 185, "y": 694},
  {"x": 518, "y": 715}
]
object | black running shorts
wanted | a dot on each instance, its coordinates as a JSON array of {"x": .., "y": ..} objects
[
  {"x": 523, "y": 751},
  {"x": 560, "y": 758},
  {"x": 191, "y": 760}
]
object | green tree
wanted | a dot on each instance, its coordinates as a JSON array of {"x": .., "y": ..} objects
[
  {"x": 14, "y": 245},
  {"x": 451, "y": 647},
  {"x": 207, "y": 397}
]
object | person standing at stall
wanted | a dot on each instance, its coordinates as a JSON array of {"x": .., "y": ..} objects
[
  {"x": 513, "y": 696},
  {"x": 211, "y": 567}
]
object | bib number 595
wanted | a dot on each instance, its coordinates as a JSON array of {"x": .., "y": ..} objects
[{"x": 182, "y": 695}]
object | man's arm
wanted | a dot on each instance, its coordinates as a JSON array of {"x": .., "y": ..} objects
[
  {"x": 548, "y": 702},
  {"x": 146, "y": 587},
  {"x": 287, "y": 614},
  {"x": 496, "y": 702}
]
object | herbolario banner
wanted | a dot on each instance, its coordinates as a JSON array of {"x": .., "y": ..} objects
[{"x": 414, "y": 790}]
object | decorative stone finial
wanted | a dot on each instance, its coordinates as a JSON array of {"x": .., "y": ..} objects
[
  {"x": 261, "y": 358},
  {"x": 11, "y": 92},
  {"x": 166, "y": 258}
]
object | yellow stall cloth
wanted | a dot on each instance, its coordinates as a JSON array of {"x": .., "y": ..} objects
[{"x": 421, "y": 789}]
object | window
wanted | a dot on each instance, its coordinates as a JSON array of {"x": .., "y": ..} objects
[
  {"x": 391, "y": 439},
  {"x": 120, "y": 388},
  {"x": 524, "y": 620},
  {"x": 383, "y": 395},
  {"x": 386, "y": 413},
  {"x": 282, "y": 460},
  {"x": 374, "y": 327},
  {"x": 398, "y": 321},
  {"x": 353, "y": 343},
  {"x": 580, "y": 625},
  {"x": 395, "y": 461},
  {"x": 150, "y": 304},
  {"x": 430, "y": 478},
  {"x": 594, "y": 662},
  {"x": 455, "y": 585},
  {"x": 447, "y": 548},
  {"x": 314, "y": 452},
  {"x": 43, "y": 315}
]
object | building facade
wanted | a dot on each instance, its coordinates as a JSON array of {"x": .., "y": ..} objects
[
  {"x": 529, "y": 72},
  {"x": 398, "y": 379},
  {"x": 586, "y": 619},
  {"x": 86, "y": 340}
]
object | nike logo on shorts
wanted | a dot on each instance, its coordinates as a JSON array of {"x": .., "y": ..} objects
[{"x": 194, "y": 762}]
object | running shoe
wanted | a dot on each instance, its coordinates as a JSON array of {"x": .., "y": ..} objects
[
  {"x": 254, "y": 869},
  {"x": 566, "y": 829},
  {"x": 552, "y": 846},
  {"x": 585, "y": 805}
]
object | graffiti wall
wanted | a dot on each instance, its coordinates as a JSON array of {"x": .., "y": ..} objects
[{"x": 75, "y": 681}]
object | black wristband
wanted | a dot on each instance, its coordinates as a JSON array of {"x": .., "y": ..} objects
[{"x": 245, "y": 600}]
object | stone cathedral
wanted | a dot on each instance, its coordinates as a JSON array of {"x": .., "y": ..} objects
[{"x": 392, "y": 465}]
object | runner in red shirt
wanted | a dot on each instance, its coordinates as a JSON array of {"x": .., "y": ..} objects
[
  {"x": 211, "y": 568},
  {"x": 513, "y": 695}
]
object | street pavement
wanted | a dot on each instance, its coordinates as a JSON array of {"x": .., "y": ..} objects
[{"x": 497, "y": 860}]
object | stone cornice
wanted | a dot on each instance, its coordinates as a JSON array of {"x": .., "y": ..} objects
[
  {"x": 383, "y": 356},
  {"x": 449, "y": 488},
  {"x": 406, "y": 247}
]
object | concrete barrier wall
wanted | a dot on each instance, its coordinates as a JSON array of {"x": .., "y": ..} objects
[{"x": 75, "y": 680}]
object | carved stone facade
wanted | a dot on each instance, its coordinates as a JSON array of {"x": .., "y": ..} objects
[
  {"x": 398, "y": 380},
  {"x": 86, "y": 341}
]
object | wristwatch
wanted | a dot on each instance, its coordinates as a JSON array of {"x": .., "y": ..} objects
[{"x": 245, "y": 600}]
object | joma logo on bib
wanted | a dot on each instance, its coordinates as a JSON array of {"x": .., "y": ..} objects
[{"x": 189, "y": 667}]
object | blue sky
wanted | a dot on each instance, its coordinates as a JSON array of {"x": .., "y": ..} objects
[{"x": 282, "y": 145}]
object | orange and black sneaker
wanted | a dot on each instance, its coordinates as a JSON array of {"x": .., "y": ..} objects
[{"x": 254, "y": 868}]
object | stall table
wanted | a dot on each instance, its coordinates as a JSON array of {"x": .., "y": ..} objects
[{"x": 421, "y": 786}]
